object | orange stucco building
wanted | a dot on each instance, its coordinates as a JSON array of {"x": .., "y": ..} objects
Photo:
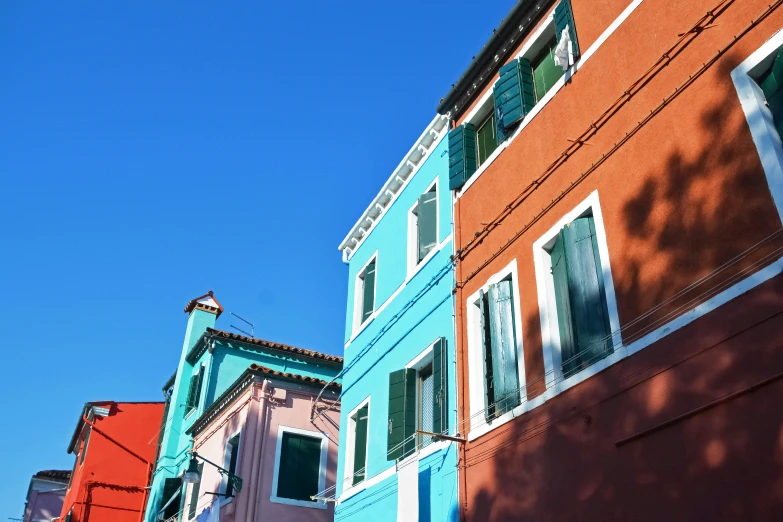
[
  {"x": 114, "y": 444},
  {"x": 619, "y": 248}
]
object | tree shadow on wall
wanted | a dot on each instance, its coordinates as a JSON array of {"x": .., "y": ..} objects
[{"x": 566, "y": 460}]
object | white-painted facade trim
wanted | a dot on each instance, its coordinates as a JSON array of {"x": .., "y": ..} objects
[
  {"x": 281, "y": 430},
  {"x": 399, "y": 178},
  {"x": 487, "y": 97}
]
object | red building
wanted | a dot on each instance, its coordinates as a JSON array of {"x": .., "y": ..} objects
[
  {"x": 115, "y": 445},
  {"x": 618, "y": 177}
]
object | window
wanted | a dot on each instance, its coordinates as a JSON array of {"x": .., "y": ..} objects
[
  {"x": 84, "y": 445},
  {"x": 486, "y": 138},
  {"x": 582, "y": 314},
  {"x": 499, "y": 348},
  {"x": 578, "y": 310},
  {"x": 365, "y": 293},
  {"x": 170, "y": 500},
  {"x": 230, "y": 462},
  {"x": 417, "y": 402},
  {"x": 300, "y": 467},
  {"x": 356, "y": 457},
  {"x": 194, "y": 390},
  {"x": 771, "y": 83},
  {"x": 545, "y": 72},
  {"x": 423, "y": 227},
  {"x": 194, "y": 493}
]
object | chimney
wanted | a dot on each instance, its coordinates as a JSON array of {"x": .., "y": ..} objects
[{"x": 203, "y": 312}]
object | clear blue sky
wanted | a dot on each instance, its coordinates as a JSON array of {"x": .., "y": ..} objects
[{"x": 150, "y": 153}]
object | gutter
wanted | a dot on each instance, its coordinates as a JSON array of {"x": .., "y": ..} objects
[{"x": 505, "y": 38}]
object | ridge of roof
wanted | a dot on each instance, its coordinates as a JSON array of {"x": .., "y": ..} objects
[
  {"x": 274, "y": 345},
  {"x": 257, "y": 368},
  {"x": 60, "y": 475}
]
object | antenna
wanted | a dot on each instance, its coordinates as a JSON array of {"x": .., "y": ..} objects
[{"x": 252, "y": 326}]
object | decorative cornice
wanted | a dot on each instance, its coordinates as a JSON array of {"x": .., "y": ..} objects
[{"x": 409, "y": 165}]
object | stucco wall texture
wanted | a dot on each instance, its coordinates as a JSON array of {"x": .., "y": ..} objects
[
  {"x": 683, "y": 195},
  {"x": 110, "y": 483},
  {"x": 258, "y": 414}
]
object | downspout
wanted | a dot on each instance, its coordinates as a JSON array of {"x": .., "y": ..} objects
[
  {"x": 258, "y": 460},
  {"x": 459, "y": 355}
]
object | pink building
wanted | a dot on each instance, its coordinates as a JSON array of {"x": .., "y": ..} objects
[
  {"x": 45, "y": 495},
  {"x": 261, "y": 430}
]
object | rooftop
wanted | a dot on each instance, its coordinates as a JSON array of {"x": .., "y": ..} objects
[
  {"x": 273, "y": 345},
  {"x": 58, "y": 475}
]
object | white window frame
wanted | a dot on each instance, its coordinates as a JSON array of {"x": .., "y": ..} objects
[
  {"x": 358, "y": 294},
  {"x": 413, "y": 233},
  {"x": 477, "y": 384},
  {"x": 316, "y": 504},
  {"x": 419, "y": 363},
  {"x": 759, "y": 117},
  {"x": 226, "y": 463},
  {"x": 350, "y": 438},
  {"x": 550, "y": 332}
]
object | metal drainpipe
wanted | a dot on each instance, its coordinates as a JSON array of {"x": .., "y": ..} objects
[{"x": 259, "y": 462}]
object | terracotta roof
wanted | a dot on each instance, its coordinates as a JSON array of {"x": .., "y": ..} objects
[
  {"x": 275, "y": 346},
  {"x": 293, "y": 376},
  {"x": 194, "y": 303},
  {"x": 61, "y": 475}
]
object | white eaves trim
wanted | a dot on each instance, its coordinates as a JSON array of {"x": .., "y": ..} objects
[{"x": 397, "y": 181}]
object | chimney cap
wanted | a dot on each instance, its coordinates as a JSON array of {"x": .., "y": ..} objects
[{"x": 206, "y": 302}]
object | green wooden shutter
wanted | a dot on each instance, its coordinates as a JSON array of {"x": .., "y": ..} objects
[
  {"x": 368, "y": 291},
  {"x": 440, "y": 408},
  {"x": 504, "y": 347},
  {"x": 585, "y": 323},
  {"x": 500, "y": 128},
  {"x": 771, "y": 84},
  {"x": 299, "y": 468},
  {"x": 232, "y": 464},
  {"x": 427, "y": 223},
  {"x": 68, "y": 516},
  {"x": 194, "y": 492},
  {"x": 564, "y": 17},
  {"x": 360, "y": 446},
  {"x": 462, "y": 155},
  {"x": 486, "y": 346},
  {"x": 172, "y": 489},
  {"x": 199, "y": 383},
  {"x": 514, "y": 93},
  {"x": 190, "y": 401},
  {"x": 402, "y": 414}
]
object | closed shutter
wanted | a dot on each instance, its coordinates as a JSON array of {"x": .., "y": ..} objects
[
  {"x": 402, "y": 414},
  {"x": 462, "y": 155},
  {"x": 299, "y": 468},
  {"x": 233, "y": 444},
  {"x": 581, "y": 297},
  {"x": 360, "y": 446},
  {"x": 514, "y": 93},
  {"x": 427, "y": 223},
  {"x": 486, "y": 347},
  {"x": 564, "y": 17},
  {"x": 504, "y": 349},
  {"x": 772, "y": 85},
  {"x": 190, "y": 401},
  {"x": 199, "y": 383},
  {"x": 440, "y": 390},
  {"x": 194, "y": 492},
  {"x": 368, "y": 291}
]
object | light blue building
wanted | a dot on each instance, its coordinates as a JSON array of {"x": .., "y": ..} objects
[
  {"x": 211, "y": 361},
  {"x": 399, "y": 376}
]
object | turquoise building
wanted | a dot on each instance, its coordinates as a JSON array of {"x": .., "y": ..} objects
[
  {"x": 210, "y": 362},
  {"x": 399, "y": 377}
]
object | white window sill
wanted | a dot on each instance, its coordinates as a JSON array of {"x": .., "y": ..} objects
[
  {"x": 413, "y": 270},
  {"x": 301, "y": 503}
]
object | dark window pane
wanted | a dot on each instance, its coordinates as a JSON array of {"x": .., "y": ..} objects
[{"x": 486, "y": 140}]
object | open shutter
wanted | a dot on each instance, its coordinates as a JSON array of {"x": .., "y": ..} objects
[
  {"x": 563, "y": 304},
  {"x": 368, "y": 291},
  {"x": 189, "y": 402},
  {"x": 462, "y": 155},
  {"x": 500, "y": 128},
  {"x": 514, "y": 94},
  {"x": 427, "y": 223},
  {"x": 172, "y": 489},
  {"x": 504, "y": 349},
  {"x": 199, "y": 383},
  {"x": 772, "y": 85},
  {"x": 84, "y": 446},
  {"x": 402, "y": 414},
  {"x": 486, "y": 347},
  {"x": 440, "y": 391},
  {"x": 564, "y": 17},
  {"x": 360, "y": 446},
  {"x": 586, "y": 309}
]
